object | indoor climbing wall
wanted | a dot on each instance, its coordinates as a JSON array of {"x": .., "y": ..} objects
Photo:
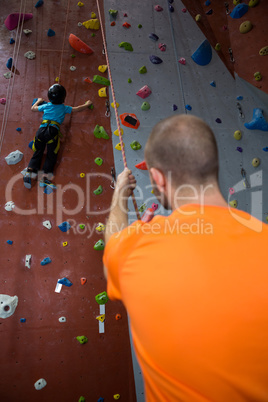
[
  {"x": 185, "y": 73},
  {"x": 61, "y": 339}
]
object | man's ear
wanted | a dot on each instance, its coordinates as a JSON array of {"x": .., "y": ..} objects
[{"x": 159, "y": 179}]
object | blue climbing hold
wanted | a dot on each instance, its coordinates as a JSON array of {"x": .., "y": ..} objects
[
  {"x": 207, "y": 3},
  {"x": 240, "y": 97},
  {"x": 18, "y": 129},
  {"x": 9, "y": 242},
  {"x": 203, "y": 55},
  {"x": 101, "y": 400},
  {"x": 239, "y": 10},
  {"x": 65, "y": 281},
  {"x": 265, "y": 149},
  {"x": 9, "y": 63},
  {"x": 239, "y": 149},
  {"x": 39, "y": 3},
  {"x": 50, "y": 32},
  {"x": 212, "y": 83},
  {"x": 174, "y": 107},
  {"x": 154, "y": 37},
  {"x": 188, "y": 107},
  {"x": 12, "y": 41},
  {"x": 171, "y": 8},
  {"x": 30, "y": 145},
  {"x": 155, "y": 59},
  {"x": 258, "y": 121},
  {"x": 64, "y": 226},
  {"x": 22, "y": 319},
  {"x": 46, "y": 261}
]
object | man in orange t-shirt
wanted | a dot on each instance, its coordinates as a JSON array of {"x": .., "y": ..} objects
[{"x": 195, "y": 284}]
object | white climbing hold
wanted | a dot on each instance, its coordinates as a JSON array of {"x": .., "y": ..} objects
[
  {"x": 47, "y": 224},
  {"x": 62, "y": 319},
  {"x": 14, "y": 157},
  {"x": 7, "y": 75},
  {"x": 28, "y": 260},
  {"x": 29, "y": 55},
  {"x": 80, "y": 24},
  {"x": 39, "y": 384},
  {"x": 72, "y": 68},
  {"x": 8, "y": 305},
  {"x": 27, "y": 31},
  {"x": 9, "y": 206}
]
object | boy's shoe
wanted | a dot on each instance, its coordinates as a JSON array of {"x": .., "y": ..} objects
[
  {"x": 27, "y": 180},
  {"x": 45, "y": 182}
]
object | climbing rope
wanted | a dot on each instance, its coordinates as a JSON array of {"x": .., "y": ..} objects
[
  {"x": 115, "y": 108},
  {"x": 63, "y": 41},
  {"x": 12, "y": 78},
  {"x": 176, "y": 57}
]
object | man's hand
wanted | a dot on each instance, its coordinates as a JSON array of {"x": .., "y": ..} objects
[{"x": 125, "y": 184}]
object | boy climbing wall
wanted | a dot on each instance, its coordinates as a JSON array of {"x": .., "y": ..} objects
[{"x": 48, "y": 134}]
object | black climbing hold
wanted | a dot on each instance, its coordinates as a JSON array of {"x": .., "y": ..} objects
[
  {"x": 155, "y": 59},
  {"x": 153, "y": 36}
]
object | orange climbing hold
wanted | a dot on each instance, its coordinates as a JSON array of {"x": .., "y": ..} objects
[
  {"x": 88, "y": 80},
  {"x": 129, "y": 120},
  {"x": 79, "y": 45},
  {"x": 118, "y": 317},
  {"x": 83, "y": 281},
  {"x": 142, "y": 165},
  {"x": 126, "y": 25}
]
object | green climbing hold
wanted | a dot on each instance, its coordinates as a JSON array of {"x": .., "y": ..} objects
[
  {"x": 102, "y": 298},
  {"x": 82, "y": 226},
  {"x": 113, "y": 13},
  {"x": 73, "y": 56},
  {"x": 126, "y": 46},
  {"x": 129, "y": 80},
  {"x": 101, "y": 80},
  {"x": 93, "y": 34},
  {"x": 98, "y": 161},
  {"x": 100, "y": 132},
  {"x": 145, "y": 106},
  {"x": 98, "y": 190},
  {"x": 143, "y": 70},
  {"x": 142, "y": 208},
  {"x": 82, "y": 399},
  {"x": 99, "y": 245},
  {"x": 135, "y": 145},
  {"x": 82, "y": 339},
  {"x": 139, "y": 26},
  {"x": 91, "y": 106}
]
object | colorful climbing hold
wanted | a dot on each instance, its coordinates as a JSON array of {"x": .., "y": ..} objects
[
  {"x": 129, "y": 80},
  {"x": 253, "y": 3},
  {"x": 155, "y": 59},
  {"x": 255, "y": 162},
  {"x": 198, "y": 17},
  {"x": 87, "y": 79},
  {"x": 9, "y": 63},
  {"x": 245, "y": 27},
  {"x": 145, "y": 106},
  {"x": 209, "y": 12},
  {"x": 237, "y": 135},
  {"x": 158, "y": 8},
  {"x": 93, "y": 15},
  {"x": 231, "y": 190},
  {"x": 258, "y": 121},
  {"x": 257, "y": 76},
  {"x": 239, "y": 149},
  {"x": 102, "y": 92},
  {"x": 203, "y": 54},
  {"x": 23, "y": 320},
  {"x": 65, "y": 281},
  {"x": 46, "y": 261},
  {"x": 233, "y": 203},
  {"x": 101, "y": 80},
  {"x": 113, "y": 13},
  {"x": 39, "y": 3},
  {"x": 217, "y": 47},
  {"x": 102, "y": 68},
  {"x": 139, "y": 26},
  {"x": 118, "y": 317},
  {"x": 99, "y": 132},
  {"x": 82, "y": 226},
  {"x": 12, "y": 20},
  {"x": 117, "y": 396},
  {"x": 65, "y": 243},
  {"x": 144, "y": 92},
  {"x": 82, "y": 398},
  {"x": 154, "y": 37},
  {"x": 265, "y": 149},
  {"x": 117, "y": 105},
  {"x": 9, "y": 242},
  {"x": 142, "y": 166},
  {"x": 12, "y": 41},
  {"x": 135, "y": 145},
  {"x": 126, "y": 25},
  {"x": 82, "y": 339},
  {"x": 98, "y": 190},
  {"x": 100, "y": 227},
  {"x": 129, "y": 120},
  {"x": 174, "y": 107},
  {"x": 213, "y": 84},
  {"x": 98, "y": 161},
  {"x": 239, "y": 11},
  {"x": 188, "y": 107},
  {"x": 119, "y": 147},
  {"x": 50, "y": 32},
  {"x": 162, "y": 47},
  {"x": 112, "y": 24},
  {"x": 143, "y": 70},
  {"x": 99, "y": 245},
  {"x": 102, "y": 298},
  {"x": 79, "y": 45},
  {"x": 182, "y": 61},
  {"x": 93, "y": 23},
  {"x": 126, "y": 46},
  {"x": 239, "y": 97},
  {"x": 101, "y": 318},
  {"x": 263, "y": 51},
  {"x": 80, "y": 4},
  {"x": 3, "y": 101},
  {"x": 64, "y": 226},
  {"x": 83, "y": 281},
  {"x": 14, "y": 157},
  {"x": 218, "y": 120}
]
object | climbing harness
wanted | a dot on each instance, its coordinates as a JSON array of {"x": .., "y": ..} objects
[
  {"x": 115, "y": 108},
  {"x": 57, "y": 137},
  {"x": 13, "y": 69}
]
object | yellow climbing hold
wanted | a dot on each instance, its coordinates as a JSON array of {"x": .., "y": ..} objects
[
  {"x": 82, "y": 175},
  {"x": 100, "y": 227},
  {"x": 253, "y": 3},
  {"x": 116, "y": 396},
  {"x": 237, "y": 135},
  {"x": 266, "y": 218},
  {"x": 92, "y": 24},
  {"x": 218, "y": 47},
  {"x": 117, "y": 104},
  {"x": 233, "y": 204},
  {"x": 118, "y": 146},
  {"x": 152, "y": 191},
  {"x": 65, "y": 243},
  {"x": 57, "y": 79},
  {"x": 93, "y": 15},
  {"x": 257, "y": 76},
  {"x": 198, "y": 17},
  {"x": 103, "y": 68},
  {"x": 80, "y": 4},
  {"x": 263, "y": 51},
  {"x": 235, "y": 2},
  {"x": 116, "y": 132},
  {"x": 101, "y": 318},
  {"x": 102, "y": 92}
]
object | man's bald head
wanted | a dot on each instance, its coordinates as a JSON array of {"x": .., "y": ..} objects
[{"x": 185, "y": 146}]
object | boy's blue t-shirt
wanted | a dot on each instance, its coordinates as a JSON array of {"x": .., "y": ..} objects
[{"x": 54, "y": 112}]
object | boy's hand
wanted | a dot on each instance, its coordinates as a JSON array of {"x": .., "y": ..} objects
[
  {"x": 88, "y": 103},
  {"x": 40, "y": 100}
]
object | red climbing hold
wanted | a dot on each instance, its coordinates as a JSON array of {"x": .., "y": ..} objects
[
  {"x": 88, "y": 80},
  {"x": 12, "y": 20},
  {"x": 129, "y": 120},
  {"x": 79, "y": 45},
  {"x": 142, "y": 166},
  {"x": 126, "y": 25},
  {"x": 83, "y": 281}
]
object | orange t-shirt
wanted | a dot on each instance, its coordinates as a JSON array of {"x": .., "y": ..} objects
[{"x": 195, "y": 285}]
